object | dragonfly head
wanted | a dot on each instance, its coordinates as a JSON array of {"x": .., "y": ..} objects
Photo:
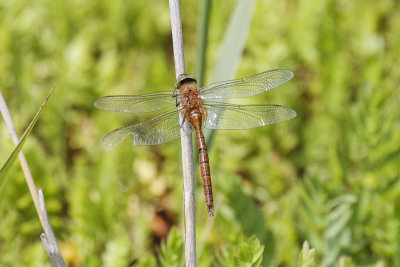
[{"x": 184, "y": 78}]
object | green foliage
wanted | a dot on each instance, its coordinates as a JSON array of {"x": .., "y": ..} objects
[
  {"x": 307, "y": 256},
  {"x": 345, "y": 262},
  {"x": 330, "y": 176},
  {"x": 248, "y": 253},
  {"x": 172, "y": 252},
  {"x": 116, "y": 252}
]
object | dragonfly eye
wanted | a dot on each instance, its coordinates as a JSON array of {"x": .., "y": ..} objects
[{"x": 184, "y": 78}]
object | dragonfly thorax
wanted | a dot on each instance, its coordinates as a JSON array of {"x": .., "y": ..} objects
[{"x": 189, "y": 96}]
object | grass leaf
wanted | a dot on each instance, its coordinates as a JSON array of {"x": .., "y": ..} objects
[
  {"x": 232, "y": 46},
  {"x": 234, "y": 41},
  {"x": 11, "y": 159}
]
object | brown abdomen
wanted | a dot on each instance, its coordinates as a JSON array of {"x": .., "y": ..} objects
[{"x": 195, "y": 118}]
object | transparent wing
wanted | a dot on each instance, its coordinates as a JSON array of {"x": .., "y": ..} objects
[
  {"x": 159, "y": 130},
  {"x": 236, "y": 117},
  {"x": 136, "y": 103},
  {"x": 246, "y": 87}
]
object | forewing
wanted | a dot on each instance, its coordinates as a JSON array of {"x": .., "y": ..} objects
[
  {"x": 236, "y": 117},
  {"x": 246, "y": 87},
  {"x": 136, "y": 103},
  {"x": 159, "y": 130}
]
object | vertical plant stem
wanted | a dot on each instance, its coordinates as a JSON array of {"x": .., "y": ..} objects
[{"x": 186, "y": 143}]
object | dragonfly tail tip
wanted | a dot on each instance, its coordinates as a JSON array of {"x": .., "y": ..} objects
[{"x": 211, "y": 211}]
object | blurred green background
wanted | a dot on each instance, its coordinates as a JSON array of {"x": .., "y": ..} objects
[{"x": 330, "y": 176}]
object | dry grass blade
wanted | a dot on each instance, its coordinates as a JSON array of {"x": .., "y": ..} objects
[{"x": 48, "y": 237}]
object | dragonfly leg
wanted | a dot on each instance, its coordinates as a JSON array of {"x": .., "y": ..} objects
[
  {"x": 204, "y": 112},
  {"x": 174, "y": 94},
  {"x": 185, "y": 117}
]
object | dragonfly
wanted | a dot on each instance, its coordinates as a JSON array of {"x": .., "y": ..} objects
[{"x": 201, "y": 107}]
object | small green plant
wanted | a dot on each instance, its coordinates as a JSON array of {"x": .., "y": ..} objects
[{"x": 307, "y": 256}]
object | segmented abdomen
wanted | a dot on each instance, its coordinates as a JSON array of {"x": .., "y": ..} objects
[{"x": 195, "y": 118}]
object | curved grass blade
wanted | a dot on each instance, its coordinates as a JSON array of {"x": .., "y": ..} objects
[
  {"x": 7, "y": 165},
  {"x": 204, "y": 17},
  {"x": 232, "y": 46},
  {"x": 234, "y": 41}
]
